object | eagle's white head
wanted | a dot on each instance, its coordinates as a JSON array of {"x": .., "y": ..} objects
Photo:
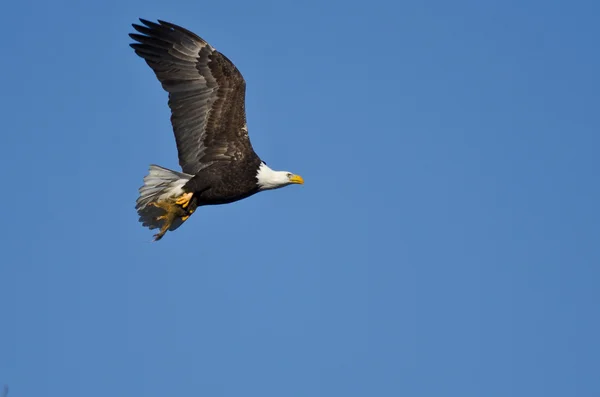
[{"x": 269, "y": 179}]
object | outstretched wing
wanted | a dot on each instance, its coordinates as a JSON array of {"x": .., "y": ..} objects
[{"x": 206, "y": 94}]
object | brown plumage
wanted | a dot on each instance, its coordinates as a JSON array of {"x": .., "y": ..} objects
[{"x": 206, "y": 95}]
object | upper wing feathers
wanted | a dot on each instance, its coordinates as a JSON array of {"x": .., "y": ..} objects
[{"x": 206, "y": 94}]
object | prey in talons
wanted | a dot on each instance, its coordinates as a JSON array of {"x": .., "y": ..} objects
[{"x": 176, "y": 208}]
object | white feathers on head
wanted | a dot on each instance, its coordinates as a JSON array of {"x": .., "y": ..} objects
[{"x": 269, "y": 179}]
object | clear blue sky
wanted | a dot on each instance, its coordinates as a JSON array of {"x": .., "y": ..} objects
[{"x": 446, "y": 242}]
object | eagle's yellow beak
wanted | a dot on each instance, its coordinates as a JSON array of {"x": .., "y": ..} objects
[{"x": 297, "y": 179}]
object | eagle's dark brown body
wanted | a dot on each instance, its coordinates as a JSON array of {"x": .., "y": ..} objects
[{"x": 224, "y": 183}]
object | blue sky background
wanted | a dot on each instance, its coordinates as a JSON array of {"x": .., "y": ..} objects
[{"x": 445, "y": 242}]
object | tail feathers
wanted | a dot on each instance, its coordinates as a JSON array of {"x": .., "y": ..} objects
[{"x": 160, "y": 184}]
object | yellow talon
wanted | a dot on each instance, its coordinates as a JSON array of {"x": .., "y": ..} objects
[
  {"x": 184, "y": 200},
  {"x": 185, "y": 218}
]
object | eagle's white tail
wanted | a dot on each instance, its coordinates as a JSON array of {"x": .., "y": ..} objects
[{"x": 160, "y": 184}]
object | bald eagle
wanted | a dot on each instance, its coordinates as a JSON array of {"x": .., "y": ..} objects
[{"x": 208, "y": 116}]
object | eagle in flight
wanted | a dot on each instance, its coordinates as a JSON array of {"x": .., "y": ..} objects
[{"x": 208, "y": 116}]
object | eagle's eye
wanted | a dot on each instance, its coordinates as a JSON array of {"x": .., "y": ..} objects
[{"x": 289, "y": 174}]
